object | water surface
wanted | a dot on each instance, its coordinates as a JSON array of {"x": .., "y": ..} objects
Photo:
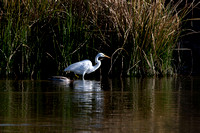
[{"x": 112, "y": 105}]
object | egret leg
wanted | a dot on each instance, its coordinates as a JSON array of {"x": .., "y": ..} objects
[
  {"x": 77, "y": 76},
  {"x": 83, "y": 76}
]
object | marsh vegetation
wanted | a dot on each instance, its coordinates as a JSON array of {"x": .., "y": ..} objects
[{"x": 43, "y": 37}]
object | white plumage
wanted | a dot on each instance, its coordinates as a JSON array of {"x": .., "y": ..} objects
[{"x": 85, "y": 66}]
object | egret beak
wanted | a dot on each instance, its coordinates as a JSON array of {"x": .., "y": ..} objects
[{"x": 106, "y": 56}]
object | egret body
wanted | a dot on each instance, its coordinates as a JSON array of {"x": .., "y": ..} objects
[{"x": 85, "y": 66}]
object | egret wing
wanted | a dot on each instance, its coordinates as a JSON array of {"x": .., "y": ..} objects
[{"x": 79, "y": 67}]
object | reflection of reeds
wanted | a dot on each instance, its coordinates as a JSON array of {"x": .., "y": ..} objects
[{"x": 39, "y": 34}]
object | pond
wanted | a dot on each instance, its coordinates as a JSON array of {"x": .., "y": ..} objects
[{"x": 170, "y": 104}]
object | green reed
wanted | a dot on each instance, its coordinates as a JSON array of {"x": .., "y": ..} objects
[
  {"x": 41, "y": 38},
  {"x": 148, "y": 31},
  {"x": 38, "y": 34}
]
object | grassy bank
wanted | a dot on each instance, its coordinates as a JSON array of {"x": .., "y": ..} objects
[{"x": 41, "y": 38}]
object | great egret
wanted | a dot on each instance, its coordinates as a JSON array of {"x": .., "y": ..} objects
[{"x": 85, "y": 66}]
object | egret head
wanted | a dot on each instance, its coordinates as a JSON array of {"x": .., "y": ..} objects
[{"x": 102, "y": 55}]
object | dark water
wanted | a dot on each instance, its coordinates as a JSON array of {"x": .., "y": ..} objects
[{"x": 156, "y": 105}]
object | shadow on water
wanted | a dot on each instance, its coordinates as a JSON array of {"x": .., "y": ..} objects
[{"x": 117, "y": 105}]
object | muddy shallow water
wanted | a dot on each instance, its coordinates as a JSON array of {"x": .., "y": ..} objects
[{"x": 112, "y": 105}]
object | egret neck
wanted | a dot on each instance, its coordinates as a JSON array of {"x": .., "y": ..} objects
[{"x": 98, "y": 64}]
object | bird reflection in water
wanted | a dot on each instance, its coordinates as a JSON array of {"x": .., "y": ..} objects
[
  {"x": 87, "y": 85},
  {"x": 82, "y": 85},
  {"x": 77, "y": 85},
  {"x": 88, "y": 98}
]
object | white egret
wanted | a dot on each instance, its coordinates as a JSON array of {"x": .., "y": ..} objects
[{"x": 85, "y": 66}]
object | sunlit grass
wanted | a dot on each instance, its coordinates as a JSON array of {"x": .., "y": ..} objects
[
  {"x": 43, "y": 37},
  {"x": 147, "y": 30}
]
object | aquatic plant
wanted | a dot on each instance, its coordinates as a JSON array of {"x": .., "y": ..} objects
[
  {"x": 148, "y": 31},
  {"x": 41, "y": 38},
  {"x": 38, "y": 34}
]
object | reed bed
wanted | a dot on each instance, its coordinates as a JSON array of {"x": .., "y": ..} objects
[{"x": 40, "y": 38}]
